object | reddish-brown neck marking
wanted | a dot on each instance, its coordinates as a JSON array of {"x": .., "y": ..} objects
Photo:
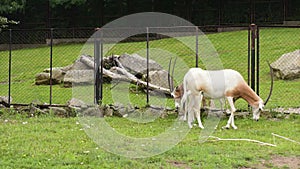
[{"x": 245, "y": 92}]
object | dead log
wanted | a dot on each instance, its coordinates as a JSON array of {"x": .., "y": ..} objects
[{"x": 124, "y": 76}]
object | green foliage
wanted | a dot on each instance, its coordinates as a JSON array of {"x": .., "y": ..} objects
[
  {"x": 10, "y": 6},
  {"x": 4, "y": 22},
  {"x": 67, "y": 3},
  {"x": 95, "y": 13}
]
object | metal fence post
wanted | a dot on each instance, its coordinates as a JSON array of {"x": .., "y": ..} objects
[
  {"x": 147, "y": 66},
  {"x": 253, "y": 57},
  {"x": 51, "y": 63},
  {"x": 101, "y": 70},
  {"x": 197, "y": 53},
  {"x": 249, "y": 53},
  {"x": 257, "y": 60},
  {"x": 97, "y": 90},
  {"x": 253, "y": 37},
  {"x": 9, "y": 65}
]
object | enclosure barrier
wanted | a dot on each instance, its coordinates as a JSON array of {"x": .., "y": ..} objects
[{"x": 25, "y": 53}]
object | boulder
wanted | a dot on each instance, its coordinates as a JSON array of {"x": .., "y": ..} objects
[
  {"x": 78, "y": 77},
  {"x": 159, "y": 78},
  {"x": 58, "y": 111},
  {"x": 44, "y": 77},
  {"x": 78, "y": 65},
  {"x": 4, "y": 100},
  {"x": 136, "y": 64},
  {"x": 287, "y": 67},
  {"x": 58, "y": 73},
  {"x": 76, "y": 103}
]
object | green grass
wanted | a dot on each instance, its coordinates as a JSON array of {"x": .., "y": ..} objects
[
  {"x": 231, "y": 47},
  {"x": 53, "y": 142}
]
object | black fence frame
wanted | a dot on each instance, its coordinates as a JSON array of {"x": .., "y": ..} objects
[{"x": 253, "y": 59}]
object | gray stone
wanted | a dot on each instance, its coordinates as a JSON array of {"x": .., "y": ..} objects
[
  {"x": 44, "y": 77},
  {"x": 76, "y": 103},
  {"x": 136, "y": 64},
  {"x": 58, "y": 111},
  {"x": 159, "y": 78},
  {"x": 4, "y": 99},
  {"x": 92, "y": 111},
  {"x": 105, "y": 110},
  {"x": 78, "y": 77},
  {"x": 34, "y": 110},
  {"x": 78, "y": 65},
  {"x": 58, "y": 74},
  {"x": 287, "y": 67}
]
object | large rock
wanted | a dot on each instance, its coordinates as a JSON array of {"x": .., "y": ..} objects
[
  {"x": 287, "y": 67},
  {"x": 4, "y": 100},
  {"x": 159, "y": 78},
  {"x": 78, "y": 65},
  {"x": 78, "y": 77},
  {"x": 58, "y": 74},
  {"x": 44, "y": 77},
  {"x": 136, "y": 64},
  {"x": 76, "y": 103}
]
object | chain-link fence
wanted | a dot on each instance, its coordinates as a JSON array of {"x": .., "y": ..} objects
[
  {"x": 280, "y": 46},
  {"x": 27, "y": 56},
  {"x": 26, "y": 59}
]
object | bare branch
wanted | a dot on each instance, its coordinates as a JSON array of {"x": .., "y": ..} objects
[
  {"x": 249, "y": 140},
  {"x": 285, "y": 138}
]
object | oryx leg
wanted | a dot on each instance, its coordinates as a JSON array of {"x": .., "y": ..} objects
[
  {"x": 197, "y": 106},
  {"x": 231, "y": 118},
  {"x": 182, "y": 111},
  {"x": 190, "y": 109},
  {"x": 222, "y": 104}
]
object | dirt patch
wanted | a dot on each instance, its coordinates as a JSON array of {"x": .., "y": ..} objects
[
  {"x": 178, "y": 164},
  {"x": 278, "y": 162},
  {"x": 283, "y": 162}
]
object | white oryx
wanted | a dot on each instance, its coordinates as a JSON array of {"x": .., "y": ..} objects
[{"x": 217, "y": 84}]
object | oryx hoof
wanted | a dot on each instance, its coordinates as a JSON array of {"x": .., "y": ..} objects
[{"x": 226, "y": 127}]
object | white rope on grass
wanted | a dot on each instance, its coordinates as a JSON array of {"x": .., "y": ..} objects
[
  {"x": 249, "y": 140},
  {"x": 285, "y": 138},
  {"x": 255, "y": 141}
]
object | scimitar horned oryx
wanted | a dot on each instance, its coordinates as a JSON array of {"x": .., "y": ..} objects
[{"x": 217, "y": 84}]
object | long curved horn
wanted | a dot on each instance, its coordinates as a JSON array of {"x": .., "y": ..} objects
[
  {"x": 272, "y": 81},
  {"x": 169, "y": 78},
  {"x": 172, "y": 80}
]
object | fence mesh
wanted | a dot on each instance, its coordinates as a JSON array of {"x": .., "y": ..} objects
[
  {"x": 275, "y": 45},
  {"x": 31, "y": 55}
]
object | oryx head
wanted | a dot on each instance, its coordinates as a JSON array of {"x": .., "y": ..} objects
[{"x": 260, "y": 104}]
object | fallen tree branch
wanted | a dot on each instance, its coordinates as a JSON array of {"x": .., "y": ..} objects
[
  {"x": 118, "y": 62},
  {"x": 249, "y": 140},
  {"x": 285, "y": 138},
  {"x": 124, "y": 76},
  {"x": 140, "y": 82}
]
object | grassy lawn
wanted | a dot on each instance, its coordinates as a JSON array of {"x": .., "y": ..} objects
[
  {"x": 47, "y": 141},
  {"x": 53, "y": 142}
]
